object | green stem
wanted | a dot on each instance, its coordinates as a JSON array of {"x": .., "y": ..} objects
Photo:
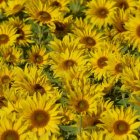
[{"x": 80, "y": 125}]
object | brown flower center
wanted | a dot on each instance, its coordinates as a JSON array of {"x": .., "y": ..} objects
[
  {"x": 43, "y": 16},
  {"x": 59, "y": 26},
  {"x": 4, "y": 39},
  {"x": 10, "y": 135},
  {"x": 21, "y": 34},
  {"x": 138, "y": 31},
  {"x": 56, "y": 4},
  {"x": 38, "y": 58},
  {"x": 102, "y": 62},
  {"x": 121, "y": 127},
  {"x": 5, "y": 79},
  {"x": 119, "y": 68},
  {"x": 17, "y": 8},
  {"x": 82, "y": 105},
  {"x": 120, "y": 26},
  {"x": 89, "y": 41},
  {"x": 1, "y": 1},
  {"x": 39, "y": 88},
  {"x": 122, "y": 4},
  {"x": 102, "y": 12},
  {"x": 40, "y": 118},
  {"x": 68, "y": 64}
]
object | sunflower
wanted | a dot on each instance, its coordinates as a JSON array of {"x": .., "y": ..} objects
[
  {"x": 63, "y": 26},
  {"x": 12, "y": 56},
  {"x": 133, "y": 32},
  {"x": 68, "y": 42},
  {"x": 59, "y": 4},
  {"x": 61, "y": 63},
  {"x": 38, "y": 55},
  {"x": 14, "y": 7},
  {"x": 115, "y": 66},
  {"x": 120, "y": 123},
  {"x": 97, "y": 135},
  {"x": 100, "y": 12},
  {"x": 42, "y": 13},
  {"x": 90, "y": 121},
  {"x": 23, "y": 30},
  {"x": 7, "y": 76},
  {"x": 128, "y": 5},
  {"x": 118, "y": 21},
  {"x": 8, "y": 35},
  {"x": 12, "y": 129},
  {"x": 131, "y": 79},
  {"x": 41, "y": 114},
  {"x": 98, "y": 62},
  {"x": 88, "y": 37},
  {"x": 67, "y": 115},
  {"x": 84, "y": 96},
  {"x": 32, "y": 80}
]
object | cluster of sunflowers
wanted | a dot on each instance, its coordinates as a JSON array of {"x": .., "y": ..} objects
[{"x": 70, "y": 69}]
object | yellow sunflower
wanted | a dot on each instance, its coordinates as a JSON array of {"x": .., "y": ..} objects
[
  {"x": 90, "y": 121},
  {"x": 12, "y": 129},
  {"x": 115, "y": 66},
  {"x": 61, "y": 63},
  {"x": 131, "y": 79},
  {"x": 41, "y": 114},
  {"x": 12, "y": 56},
  {"x": 82, "y": 99},
  {"x": 14, "y": 6},
  {"x": 133, "y": 32},
  {"x": 7, "y": 76},
  {"x": 32, "y": 80},
  {"x": 23, "y": 30},
  {"x": 42, "y": 13},
  {"x": 38, "y": 56},
  {"x": 119, "y": 19},
  {"x": 98, "y": 61},
  {"x": 60, "y": 4},
  {"x": 63, "y": 26},
  {"x": 128, "y": 5},
  {"x": 88, "y": 37},
  {"x": 8, "y": 35},
  {"x": 100, "y": 12},
  {"x": 120, "y": 123}
]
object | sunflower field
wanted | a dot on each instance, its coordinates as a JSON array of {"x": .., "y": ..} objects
[{"x": 69, "y": 69}]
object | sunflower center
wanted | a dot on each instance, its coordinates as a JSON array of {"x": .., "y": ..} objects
[
  {"x": 121, "y": 127},
  {"x": 122, "y": 4},
  {"x": 120, "y": 26},
  {"x": 102, "y": 62},
  {"x": 88, "y": 41},
  {"x": 102, "y": 12},
  {"x": 38, "y": 58},
  {"x": 21, "y": 34},
  {"x": 17, "y": 8},
  {"x": 1, "y": 1},
  {"x": 40, "y": 118},
  {"x": 3, "y": 39},
  {"x": 56, "y": 4},
  {"x": 69, "y": 63},
  {"x": 39, "y": 88},
  {"x": 10, "y": 135},
  {"x": 138, "y": 31},
  {"x": 59, "y": 26},
  {"x": 119, "y": 68},
  {"x": 44, "y": 16},
  {"x": 5, "y": 79},
  {"x": 82, "y": 105}
]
